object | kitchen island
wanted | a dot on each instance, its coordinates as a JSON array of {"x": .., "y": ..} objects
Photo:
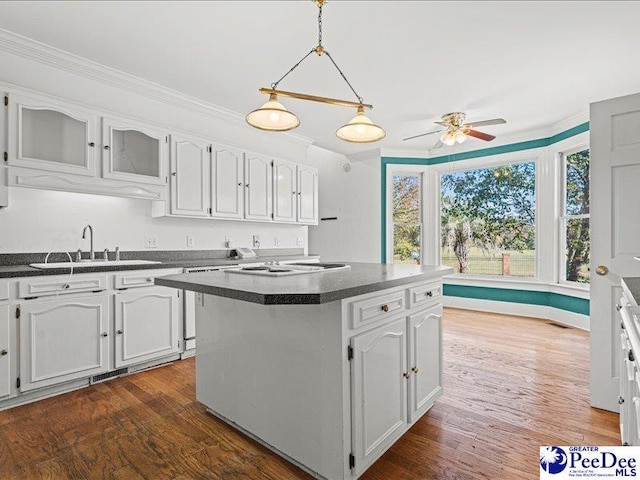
[{"x": 329, "y": 368}]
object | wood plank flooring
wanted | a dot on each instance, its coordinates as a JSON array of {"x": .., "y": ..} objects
[{"x": 511, "y": 385}]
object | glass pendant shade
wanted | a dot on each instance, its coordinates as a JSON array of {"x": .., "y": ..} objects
[
  {"x": 273, "y": 116},
  {"x": 448, "y": 139},
  {"x": 460, "y": 137},
  {"x": 360, "y": 129}
]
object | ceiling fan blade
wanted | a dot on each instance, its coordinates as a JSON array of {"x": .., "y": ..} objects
[
  {"x": 438, "y": 144},
  {"x": 482, "y": 123},
  {"x": 421, "y": 135},
  {"x": 482, "y": 136},
  {"x": 441, "y": 123}
]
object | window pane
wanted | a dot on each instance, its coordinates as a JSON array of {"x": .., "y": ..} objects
[
  {"x": 406, "y": 243},
  {"x": 577, "y": 177},
  {"x": 407, "y": 218},
  {"x": 488, "y": 220},
  {"x": 577, "y": 250}
]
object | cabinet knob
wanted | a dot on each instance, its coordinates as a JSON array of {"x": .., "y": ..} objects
[
  {"x": 618, "y": 307},
  {"x": 149, "y": 279},
  {"x": 299, "y": 193},
  {"x": 92, "y": 144},
  {"x": 3, "y": 352},
  {"x": 240, "y": 184},
  {"x": 415, "y": 370},
  {"x": 120, "y": 332},
  {"x": 384, "y": 308},
  {"x": 428, "y": 294},
  {"x": 175, "y": 174},
  {"x": 620, "y": 400},
  {"x": 66, "y": 285},
  {"x": 104, "y": 334},
  {"x": 246, "y": 185},
  {"x": 107, "y": 147},
  {"x": 602, "y": 270},
  {"x": 630, "y": 356},
  {"x": 406, "y": 375}
]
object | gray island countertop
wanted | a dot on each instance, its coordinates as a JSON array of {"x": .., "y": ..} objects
[
  {"x": 631, "y": 285},
  {"x": 313, "y": 288}
]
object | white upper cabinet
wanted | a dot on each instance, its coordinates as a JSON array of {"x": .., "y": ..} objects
[
  {"x": 284, "y": 191},
  {"x": 307, "y": 195},
  {"x": 133, "y": 152},
  {"x": 190, "y": 159},
  {"x": 47, "y": 135},
  {"x": 227, "y": 182},
  {"x": 258, "y": 184}
]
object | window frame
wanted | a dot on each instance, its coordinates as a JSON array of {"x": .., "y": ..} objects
[
  {"x": 563, "y": 217},
  {"x": 413, "y": 171},
  {"x": 495, "y": 162}
]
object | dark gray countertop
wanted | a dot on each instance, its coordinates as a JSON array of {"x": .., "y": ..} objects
[
  {"x": 313, "y": 288},
  {"x": 24, "y": 270},
  {"x": 632, "y": 285}
]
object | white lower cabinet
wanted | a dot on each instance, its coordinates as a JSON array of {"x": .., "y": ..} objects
[
  {"x": 379, "y": 390},
  {"x": 425, "y": 360},
  {"x": 146, "y": 325},
  {"x": 63, "y": 339},
  {"x": 5, "y": 353}
]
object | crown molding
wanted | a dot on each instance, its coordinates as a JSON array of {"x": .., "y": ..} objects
[{"x": 33, "y": 50}]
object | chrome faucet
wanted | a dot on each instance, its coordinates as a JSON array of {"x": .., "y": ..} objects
[{"x": 92, "y": 254}]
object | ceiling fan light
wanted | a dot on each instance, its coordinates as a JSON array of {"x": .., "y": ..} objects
[
  {"x": 448, "y": 138},
  {"x": 273, "y": 116},
  {"x": 360, "y": 129},
  {"x": 460, "y": 137}
]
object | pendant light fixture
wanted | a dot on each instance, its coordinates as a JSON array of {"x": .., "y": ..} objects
[{"x": 273, "y": 116}]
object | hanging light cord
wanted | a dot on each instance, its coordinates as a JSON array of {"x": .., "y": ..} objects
[{"x": 319, "y": 50}]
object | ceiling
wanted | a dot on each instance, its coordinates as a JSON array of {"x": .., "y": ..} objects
[{"x": 532, "y": 63}]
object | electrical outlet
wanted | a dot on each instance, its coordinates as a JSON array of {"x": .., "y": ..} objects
[
  {"x": 256, "y": 241},
  {"x": 227, "y": 242},
  {"x": 148, "y": 241},
  {"x": 300, "y": 242},
  {"x": 276, "y": 242},
  {"x": 191, "y": 241}
]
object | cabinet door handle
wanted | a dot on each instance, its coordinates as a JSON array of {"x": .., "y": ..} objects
[
  {"x": 92, "y": 144},
  {"x": 384, "y": 308},
  {"x": 120, "y": 332},
  {"x": 107, "y": 147},
  {"x": 104, "y": 334},
  {"x": 415, "y": 370},
  {"x": 3, "y": 352},
  {"x": 406, "y": 375}
]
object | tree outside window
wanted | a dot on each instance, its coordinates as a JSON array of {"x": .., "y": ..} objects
[
  {"x": 407, "y": 218},
  {"x": 488, "y": 220},
  {"x": 574, "y": 219}
]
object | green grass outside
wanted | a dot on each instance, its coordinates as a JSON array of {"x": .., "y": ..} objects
[{"x": 522, "y": 263}]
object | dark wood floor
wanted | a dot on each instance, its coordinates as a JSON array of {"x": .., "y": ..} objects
[{"x": 511, "y": 385}]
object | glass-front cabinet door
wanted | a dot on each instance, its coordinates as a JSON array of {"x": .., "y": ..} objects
[
  {"x": 46, "y": 135},
  {"x": 133, "y": 152}
]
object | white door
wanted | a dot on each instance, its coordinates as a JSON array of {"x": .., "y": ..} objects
[
  {"x": 227, "y": 182},
  {"x": 615, "y": 233},
  {"x": 62, "y": 340},
  {"x": 190, "y": 163},
  {"x": 307, "y": 195},
  {"x": 425, "y": 365},
  {"x": 146, "y": 325},
  {"x": 378, "y": 390},
  {"x": 5, "y": 352},
  {"x": 284, "y": 191},
  {"x": 46, "y": 135},
  {"x": 134, "y": 152},
  {"x": 257, "y": 193}
]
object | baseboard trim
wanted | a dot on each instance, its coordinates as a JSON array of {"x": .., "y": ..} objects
[{"x": 543, "y": 312}]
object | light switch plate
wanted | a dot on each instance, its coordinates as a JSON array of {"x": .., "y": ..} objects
[
  {"x": 300, "y": 242},
  {"x": 256, "y": 241},
  {"x": 276, "y": 242},
  {"x": 191, "y": 241}
]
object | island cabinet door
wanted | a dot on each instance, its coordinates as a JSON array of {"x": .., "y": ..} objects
[
  {"x": 62, "y": 340},
  {"x": 379, "y": 391},
  {"x": 425, "y": 360},
  {"x": 146, "y": 325},
  {"x": 5, "y": 364}
]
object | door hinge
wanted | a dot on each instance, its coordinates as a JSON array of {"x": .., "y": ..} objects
[
  {"x": 6, "y": 101},
  {"x": 18, "y": 382},
  {"x": 352, "y": 461},
  {"x": 17, "y": 312},
  {"x": 6, "y": 156},
  {"x": 209, "y": 149},
  {"x": 166, "y": 180},
  {"x": 349, "y": 352},
  {"x": 272, "y": 163},
  {"x": 166, "y": 139},
  {"x": 210, "y": 211},
  {"x": 272, "y": 216}
]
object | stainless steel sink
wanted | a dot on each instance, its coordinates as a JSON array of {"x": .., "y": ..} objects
[{"x": 91, "y": 263}]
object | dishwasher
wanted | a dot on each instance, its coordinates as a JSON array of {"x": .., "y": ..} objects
[{"x": 190, "y": 309}]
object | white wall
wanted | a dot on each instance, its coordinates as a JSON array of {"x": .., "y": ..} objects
[
  {"x": 42, "y": 221},
  {"x": 38, "y": 221},
  {"x": 353, "y": 197}
]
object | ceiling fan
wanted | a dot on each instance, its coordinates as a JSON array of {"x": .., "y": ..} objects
[{"x": 456, "y": 130}]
